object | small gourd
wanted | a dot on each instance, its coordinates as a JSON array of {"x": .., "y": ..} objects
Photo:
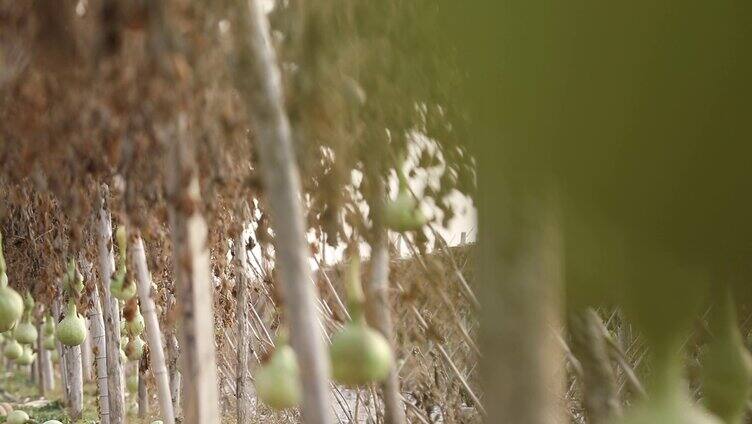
[
  {"x": 134, "y": 349},
  {"x": 403, "y": 213},
  {"x": 278, "y": 380},
  {"x": 71, "y": 331},
  {"x": 26, "y": 333},
  {"x": 55, "y": 356},
  {"x": 359, "y": 354},
  {"x": 27, "y": 357},
  {"x": 48, "y": 328},
  {"x": 11, "y": 304},
  {"x": 49, "y": 343},
  {"x": 135, "y": 327},
  {"x": 17, "y": 417},
  {"x": 13, "y": 349},
  {"x": 122, "y": 290}
]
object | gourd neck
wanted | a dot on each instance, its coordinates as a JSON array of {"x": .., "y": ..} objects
[
  {"x": 355, "y": 296},
  {"x": 72, "y": 309}
]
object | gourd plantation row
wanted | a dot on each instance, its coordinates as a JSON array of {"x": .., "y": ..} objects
[{"x": 258, "y": 211}]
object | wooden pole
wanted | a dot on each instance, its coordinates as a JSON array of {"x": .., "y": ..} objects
[
  {"x": 258, "y": 80},
  {"x": 110, "y": 311},
  {"x": 244, "y": 386},
  {"x": 193, "y": 285},
  {"x": 153, "y": 334},
  {"x": 99, "y": 351}
]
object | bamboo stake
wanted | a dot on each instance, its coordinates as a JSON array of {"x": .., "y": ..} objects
[
  {"x": 86, "y": 355},
  {"x": 110, "y": 311},
  {"x": 143, "y": 393},
  {"x": 99, "y": 351},
  {"x": 379, "y": 312},
  {"x": 192, "y": 283},
  {"x": 153, "y": 334},
  {"x": 56, "y": 306},
  {"x": 244, "y": 390},
  {"x": 259, "y": 82},
  {"x": 46, "y": 378}
]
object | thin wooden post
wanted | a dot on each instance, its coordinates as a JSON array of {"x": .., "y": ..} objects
[
  {"x": 258, "y": 79},
  {"x": 110, "y": 311},
  {"x": 153, "y": 334},
  {"x": 99, "y": 351},
  {"x": 244, "y": 386}
]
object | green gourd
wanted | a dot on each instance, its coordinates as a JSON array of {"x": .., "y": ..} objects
[
  {"x": 49, "y": 343},
  {"x": 27, "y": 357},
  {"x": 359, "y": 354},
  {"x": 11, "y": 305},
  {"x": 26, "y": 333},
  {"x": 12, "y": 349},
  {"x": 135, "y": 327},
  {"x": 71, "y": 331},
  {"x": 17, "y": 417},
  {"x": 727, "y": 365},
  {"x": 55, "y": 356},
  {"x": 134, "y": 349},
  {"x": 278, "y": 380},
  {"x": 403, "y": 213},
  {"x": 122, "y": 289},
  {"x": 48, "y": 328}
]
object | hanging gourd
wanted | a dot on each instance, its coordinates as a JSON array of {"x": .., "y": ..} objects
[
  {"x": 49, "y": 343},
  {"x": 48, "y": 328},
  {"x": 55, "y": 356},
  {"x": 17, "y": 417},
  {"x": 11, "y": 304},
  {"x": 122, "y": 288},
  {"x": 278, "y": 380},
  {"x": 71, "y": 331},
  {"x": 135, "y": 326},
  {"x": 403, "y": 213},
  {"x": 26, "y": 357},
  {"x": 134, "y": 349},
  {"x": 727, "y": 365},
  {"x": 26, "y": 333},
  {"x": 359, "y": 354},
  {"x": 13, "y": 349}
]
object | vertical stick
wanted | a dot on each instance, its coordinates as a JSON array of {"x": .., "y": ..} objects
[
  {"x": 521, "y": 276},
  {"x": 86, "y": 355},
  {"x": 99, "y": 351},
  {"x": 153, "y": 335},
  {"x": 243, "y": 385},
  {"x": 45, "y": 364},
  {"x": 56, "y": 307},
  {"x": 143, "y": 394},
  {"x": 379, "y": 312},
  {"x": 192, "y": 282},
  {"x": 259, "y": 81},
  {"x": 110, "y": 311},
  {"x": 600, "y": 397}
]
